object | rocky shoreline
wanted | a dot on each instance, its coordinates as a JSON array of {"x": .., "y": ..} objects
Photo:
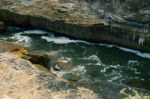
[
  {"x": 62, "y": 17},
  {"x": 23, "y": 76},
  {"x": 22, "y": 79}
]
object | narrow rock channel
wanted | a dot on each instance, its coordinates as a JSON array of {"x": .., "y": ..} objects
[
  {"x": 74, "y": 49},
  {"x": 50, "y": 73}
]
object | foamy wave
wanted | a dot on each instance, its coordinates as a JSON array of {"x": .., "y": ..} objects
[
  {"x": 62, "y": 40},
  {"x": 138, "y": 53},
  {"x": 20, "y": 39},
  {"x": 35, "y": 32},
  {"x": 144, "y": 55},
  {"x": 133, "y": 62},
  {"x": 77, "y": 70},
  {"x": 107, "y": 45},
  {"x": 65, "y": 40}
]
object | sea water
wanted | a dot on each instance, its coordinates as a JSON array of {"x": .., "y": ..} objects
[{"x": 94, "y": 61}]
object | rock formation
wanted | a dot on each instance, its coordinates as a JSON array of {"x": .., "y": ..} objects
[
  {"x": 23, "y": 76},
  {"x": 125, "y": 23}
]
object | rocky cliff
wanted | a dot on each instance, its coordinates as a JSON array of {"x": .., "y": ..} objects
[{"x": 122, "y": 22}]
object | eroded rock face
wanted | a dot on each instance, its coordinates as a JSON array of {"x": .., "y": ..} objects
[
  {"x": 124, "y": 23},
  {"x": 46, "y": 59}
]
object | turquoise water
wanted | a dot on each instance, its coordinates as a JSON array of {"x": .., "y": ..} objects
[{"x": 88, "y": 60}]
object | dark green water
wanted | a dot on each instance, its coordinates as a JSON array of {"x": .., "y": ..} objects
[{"x": 88, "y": 60}]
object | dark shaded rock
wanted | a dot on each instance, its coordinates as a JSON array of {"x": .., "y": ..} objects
[
  {"x": 46, "y": 59},
  {"x": 2, "y": 26}
]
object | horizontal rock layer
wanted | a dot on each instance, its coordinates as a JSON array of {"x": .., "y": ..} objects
[{"x": 72, "y": 19}]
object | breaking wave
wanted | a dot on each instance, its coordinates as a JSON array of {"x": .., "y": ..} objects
[
  {"x": 50, "y": 37},
  {"x": 20, "y": 39},
  {"x": 138, "y": 53},
  {"x": 62, "y": 40}
]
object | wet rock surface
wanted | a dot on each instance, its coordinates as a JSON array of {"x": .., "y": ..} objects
[{"x": 98, "y": 20}]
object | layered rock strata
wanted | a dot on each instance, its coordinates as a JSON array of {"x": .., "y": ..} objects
[{"x": 96, "y": 21}]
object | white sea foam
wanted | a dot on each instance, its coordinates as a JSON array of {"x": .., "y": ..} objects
[
  {"x": 20, "y": 39},
  {"x": 62, "y": 40},
  {"x": 133, "y": 62},
  {"x": 95, "y": 59},
  {"x": 37, "y": 31},
  {"x": 144, "y": 55},
  {"x": 107, "y": 45},
  {"x": 138, "y": 53},
  {"x": 65, "y": 40},
  {"x": 77, "y": 70}
]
